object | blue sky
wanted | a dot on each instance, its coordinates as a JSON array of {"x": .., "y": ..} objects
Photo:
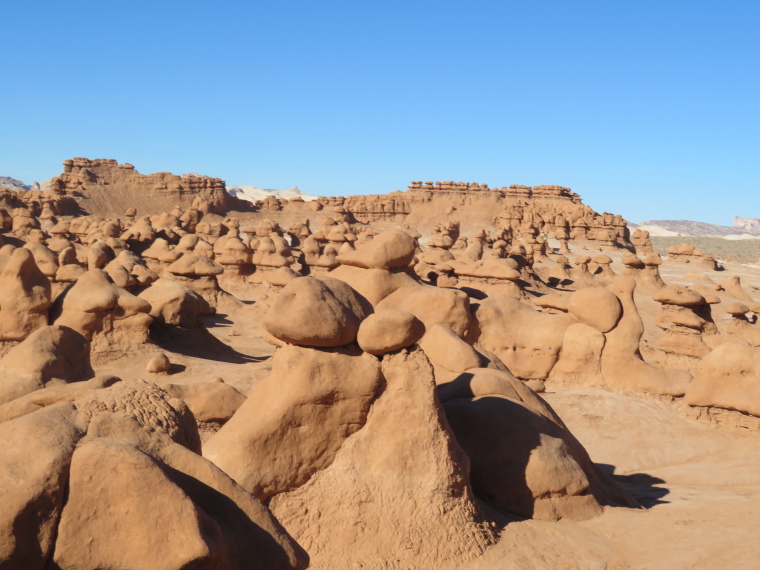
[{"x": 648, "y": 109}]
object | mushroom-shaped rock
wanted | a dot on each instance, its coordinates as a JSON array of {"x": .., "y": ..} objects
[
  {"x": 192, "y": 265},
  {"x": 389, "y": 331},
  {"x": 307, "y": 312},
  {"x": 603, "y": 262},
  {"x": 653, "y": 259},
  {"x": 94, "y": 303},
  {"x": 174, "y": 304},
  {"x": 740, "y": 325},
  {"x": 393, "y": 248},
  {"x": 737, "y": 309},
  {"x": 677, "y": 295},
  {"x": 728, "y": 378},
  {"x": 50, "y": 355},
  {"x": 25, "y": 296}
]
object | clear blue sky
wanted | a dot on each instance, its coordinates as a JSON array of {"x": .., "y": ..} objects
[{"x": 650, "y": 109}]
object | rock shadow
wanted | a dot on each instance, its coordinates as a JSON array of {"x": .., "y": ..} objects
[
  {"x": 642, "y": 486},
  {"x": 198, "y": 343}
]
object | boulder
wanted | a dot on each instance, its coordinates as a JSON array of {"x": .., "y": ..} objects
[
  {"x": 103, "y": 312},
  {"x": 444, "y": 347},
  {"x": 527, "y": 341},
  {"x": 432, "y": 306},
  {"x": 50, "y": 355},
  {"x": 389, "y": 331},
  {"x": 209, "y": 401},
  {"x": 307, "y": 312},
  {"x": 524, "y": 460},
  {"x": 389, "y": 249},
  {"x": 728, "y": 378},
  {"x": 596, "y": 307},
  {"x": 174, "y": 304},
  {"x": 158, "y": 364}
]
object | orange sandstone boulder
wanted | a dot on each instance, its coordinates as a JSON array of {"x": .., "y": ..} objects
[
  {"x": 524, "y": 460},
  {"x": 389, "y": 331},
  {"x": 527, "y": 341},
  {"x": 174, "y": 304},
  {"x": 307, "y": 312},
  {"x": 209, "y": 401},
  {"x": 432, "y": 306},
  {"x": 728, "y": 378},
  {"x": 393, "y": 248},
  {"x": 596, "y": 307},
  {"x": 444, "y": 347},
  {"x": 51, "y": 355},
  {"x": 94, "y": 304}
]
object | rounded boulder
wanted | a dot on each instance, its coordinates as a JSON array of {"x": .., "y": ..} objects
[
  {"x": 597, "y": 307},
  {"x": 389, "y": 331},
  {"x": 308, "y": 313},
  {"x": 394, "y": 248}
]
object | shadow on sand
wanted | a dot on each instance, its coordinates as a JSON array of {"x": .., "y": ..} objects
[
  {"x": 642, "y": 486},
  {"x": 198, "y": 343}
]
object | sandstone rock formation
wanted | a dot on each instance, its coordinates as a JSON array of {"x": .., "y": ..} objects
[
  {"x": 176, "y": 506},
  {"x": 403, "y": 465},
  {"x": 728, "y": 378},
  {"x": 687, "y": 253},
  {"x": 311, "y": 312},
  {"x": 381, "y": 361},
  {"x": 328, "y": 397},
  {"x": 25, "y": 295},
  {"x": 106, "y": 188}
]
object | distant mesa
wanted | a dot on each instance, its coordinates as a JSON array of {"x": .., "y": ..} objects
[
  {"x": 103, "y": 187},
  {"x": 751, "y": 225}
]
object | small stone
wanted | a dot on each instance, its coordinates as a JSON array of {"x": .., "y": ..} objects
[{"x": 159, "y": 363}]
